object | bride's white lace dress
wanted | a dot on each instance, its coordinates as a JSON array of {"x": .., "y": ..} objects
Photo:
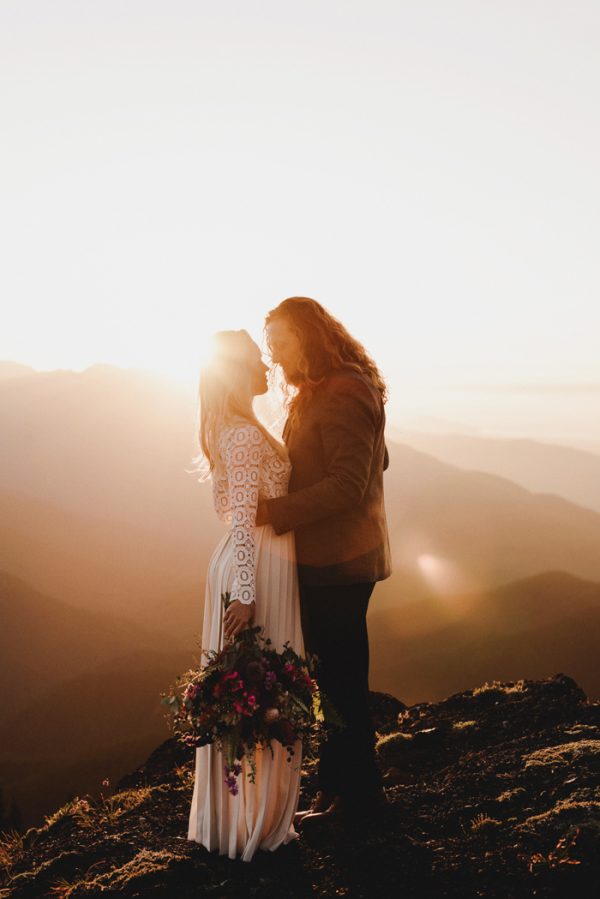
[{"x": 251, "y": 563}]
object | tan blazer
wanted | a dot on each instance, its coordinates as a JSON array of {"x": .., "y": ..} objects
[{"x": 335, "y": 500}]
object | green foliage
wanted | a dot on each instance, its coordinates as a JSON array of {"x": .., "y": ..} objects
[{"x": 62, "y": 889}]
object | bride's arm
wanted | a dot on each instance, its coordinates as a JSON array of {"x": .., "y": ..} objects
[{"x": 242, "y": 455}]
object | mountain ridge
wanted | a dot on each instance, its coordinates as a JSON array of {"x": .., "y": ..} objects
[{"x": 541, "y": 466}]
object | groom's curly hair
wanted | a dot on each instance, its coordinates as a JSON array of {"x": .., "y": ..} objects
[{"x": 325, "y": 345}]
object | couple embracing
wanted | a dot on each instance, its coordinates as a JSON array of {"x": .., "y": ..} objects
[{"x": 307, "y": 543}]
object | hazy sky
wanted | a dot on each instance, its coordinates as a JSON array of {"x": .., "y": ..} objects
[{"x": 427, "y": 170}]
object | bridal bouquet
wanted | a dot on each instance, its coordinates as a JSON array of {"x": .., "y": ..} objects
[{"x": 245, "y": 697}]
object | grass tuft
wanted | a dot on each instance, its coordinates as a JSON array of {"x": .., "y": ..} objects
[
  {"x": 482, "y": 822},
  {"x": 499, "y": 687},
  {"x": 565, "y": 754},
  {"x": 11, "y": 848},
  {"x": 391, "y": 745},
  {"x": 92, "y": 813},
  {"x": 77, "y": 810},
  {"x": 509, "y": 795}
]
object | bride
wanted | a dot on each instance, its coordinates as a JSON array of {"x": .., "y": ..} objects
[{"x": 258, "y": 569}]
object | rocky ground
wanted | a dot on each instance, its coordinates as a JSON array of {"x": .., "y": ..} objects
[{"x": 492, "y": 792}]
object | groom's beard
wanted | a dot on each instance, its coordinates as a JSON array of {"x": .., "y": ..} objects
[{"x": 292, "y": 376}]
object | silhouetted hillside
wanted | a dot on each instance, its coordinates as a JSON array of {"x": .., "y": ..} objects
[
  {"x": 532, "y": 626},
  {"x": 109, "y": 566},
  {"x": 493, "y": 792},
  {"x": 45, "y": 642},
  {"x": 94, "y": 726},
  {"x": 79, "y": 698}
]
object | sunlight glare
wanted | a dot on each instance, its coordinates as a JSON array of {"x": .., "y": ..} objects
[{"x": 443, "y": 576}]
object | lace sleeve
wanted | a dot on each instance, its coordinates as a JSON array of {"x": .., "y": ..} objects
[{"x": 242, "y": 456}]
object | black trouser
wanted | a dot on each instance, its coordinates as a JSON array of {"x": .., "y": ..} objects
[{"x": 334, "y": 626}]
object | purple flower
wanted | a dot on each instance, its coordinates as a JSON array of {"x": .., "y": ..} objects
[
  {"x": 232, "y": 786},
  {"x": 231, "y": 775}
]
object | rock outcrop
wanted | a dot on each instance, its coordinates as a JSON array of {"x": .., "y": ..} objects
[{"x": 493, "y": 792}]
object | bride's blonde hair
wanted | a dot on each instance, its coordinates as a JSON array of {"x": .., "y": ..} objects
[{"x": 224, "y": 394}]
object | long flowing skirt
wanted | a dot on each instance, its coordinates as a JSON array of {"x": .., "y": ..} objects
[{"x": 261, "y": 815}]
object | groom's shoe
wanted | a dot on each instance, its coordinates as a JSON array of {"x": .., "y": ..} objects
[
  {"x": 325, "y": 814},
  {"x": 320, "y": 803},
  {"x": 350, "y": 810}
]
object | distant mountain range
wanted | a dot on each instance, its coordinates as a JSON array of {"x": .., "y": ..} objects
[
  {"x": 9, "y": 370},
  {"x": 454, "y": 531},
  {"x": 540, "y": 467},
  {"x": 98, "y": 510}
]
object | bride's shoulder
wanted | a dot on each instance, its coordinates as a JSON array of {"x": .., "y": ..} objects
[{"x": 240, "y": 432}]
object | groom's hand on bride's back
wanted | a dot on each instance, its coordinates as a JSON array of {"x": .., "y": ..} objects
[{"x": 262, "y": 515}]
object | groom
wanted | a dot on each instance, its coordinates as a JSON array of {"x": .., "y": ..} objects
[{"x": 335, "y": 437}]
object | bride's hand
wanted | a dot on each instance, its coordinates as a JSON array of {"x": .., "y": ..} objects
[{"x": 238, "y": 616}]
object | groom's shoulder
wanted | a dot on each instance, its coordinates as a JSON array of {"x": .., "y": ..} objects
[{"x": 347, "y": 381}]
